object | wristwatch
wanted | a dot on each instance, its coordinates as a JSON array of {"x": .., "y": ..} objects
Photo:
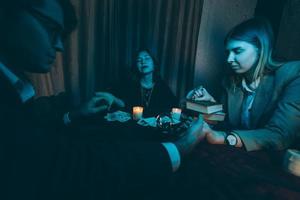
[{"x": 231, "y": 139}]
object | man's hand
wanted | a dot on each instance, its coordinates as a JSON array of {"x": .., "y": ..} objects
[
  {"x": 110, "y": 99},
  {"x": 101, "y": 101},
  {"x": 191, "y": 138}
]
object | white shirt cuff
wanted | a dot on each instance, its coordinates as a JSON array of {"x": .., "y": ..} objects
[
  {"x": 174, "y": 155},
  {"x": 67, "y": 119}
]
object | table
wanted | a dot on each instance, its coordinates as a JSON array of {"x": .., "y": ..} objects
[
  {"x": 211, "y": 171},
  {"x": 221, "y": 172}
]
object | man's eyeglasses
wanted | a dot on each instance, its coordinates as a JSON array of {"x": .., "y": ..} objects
[{"x": 54, "y": 30}]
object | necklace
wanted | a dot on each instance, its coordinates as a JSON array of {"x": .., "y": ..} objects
[{"x": 146, "y": 95}]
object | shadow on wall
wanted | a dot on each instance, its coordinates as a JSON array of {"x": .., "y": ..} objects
[
  {"x": 214, "y": 66},
  {"x": 218, "y": 17}
]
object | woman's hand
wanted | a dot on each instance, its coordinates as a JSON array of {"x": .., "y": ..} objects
[
  {"x": 213, "y": 137},
  {"x": 200, "y": 94},
  {"x": 218, "y": 137}
]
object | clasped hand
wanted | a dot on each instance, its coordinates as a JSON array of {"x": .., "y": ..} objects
[{"x": 198, "y": 131}]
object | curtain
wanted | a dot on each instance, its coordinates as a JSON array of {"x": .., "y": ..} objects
[{"x": 111, "y": 31}]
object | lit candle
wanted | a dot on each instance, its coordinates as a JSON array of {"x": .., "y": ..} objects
[
  {"x": 176, "y": 113},
  {"x": 137, "y": 112}
]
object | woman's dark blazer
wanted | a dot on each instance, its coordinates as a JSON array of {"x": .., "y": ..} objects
[{"x": 275, "y": 112}]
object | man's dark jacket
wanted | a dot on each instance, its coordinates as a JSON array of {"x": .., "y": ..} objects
[{"x": 40, "y": 162}]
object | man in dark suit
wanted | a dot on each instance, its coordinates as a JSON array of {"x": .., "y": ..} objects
[{"x": 37, "y": 162}]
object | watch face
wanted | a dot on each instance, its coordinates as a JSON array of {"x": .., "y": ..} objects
[{"x": 231, "y": 139}]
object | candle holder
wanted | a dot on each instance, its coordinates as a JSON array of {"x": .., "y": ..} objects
[
  {"x": 137, "y": 112},
  {"x": 176, "y": 114}
]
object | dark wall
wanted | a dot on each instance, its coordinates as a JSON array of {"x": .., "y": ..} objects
[
  {"x": 284, "y": 16},
  {"x": 218, "y": 17},
  {"x": 288, "y": 40},
  {"x": 271, "y": 9}
]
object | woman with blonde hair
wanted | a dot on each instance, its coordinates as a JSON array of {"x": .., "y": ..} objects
[{"x": 261, "y": 95}]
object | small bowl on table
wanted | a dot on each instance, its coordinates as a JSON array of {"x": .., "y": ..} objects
[{"x": 168, "y": 127}]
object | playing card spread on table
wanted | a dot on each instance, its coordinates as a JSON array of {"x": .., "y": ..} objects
[
  {"x": 119, "y": 116},
  {"x": 151, "y": 121}
]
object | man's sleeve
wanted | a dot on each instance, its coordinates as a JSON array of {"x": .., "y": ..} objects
[{"x": 72, "y": 169}]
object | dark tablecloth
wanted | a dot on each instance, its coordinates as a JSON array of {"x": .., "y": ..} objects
[
  {"x": 221, "y": 172},
  {"x": 211, "y": 171}
]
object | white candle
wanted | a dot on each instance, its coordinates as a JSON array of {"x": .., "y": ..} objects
[
  {"x": 176, "y": 113},
  {"x": 137, "y": 112}
]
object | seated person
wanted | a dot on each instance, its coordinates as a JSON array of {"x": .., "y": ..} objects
[
  {"x": 145, "y": 87},
  {"x": 37, "y": 162},
  {"x": 261, "y": 96},
  {"x": 242, "y": 157}
]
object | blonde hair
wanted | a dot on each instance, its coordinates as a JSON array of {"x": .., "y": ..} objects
[{"x": 257, "y": 31}]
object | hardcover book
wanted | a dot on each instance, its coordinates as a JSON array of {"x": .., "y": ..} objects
[
  {"x": 218, "y": 116},
  {"x": 206, "y": 107}
]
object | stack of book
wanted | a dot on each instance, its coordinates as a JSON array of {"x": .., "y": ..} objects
[{"x": 211, "y": 111}]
